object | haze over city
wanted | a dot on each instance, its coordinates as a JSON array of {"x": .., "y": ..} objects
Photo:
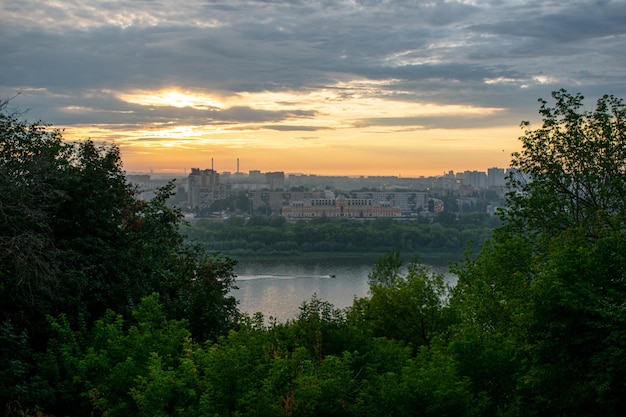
[{"x": 403, "y": 88}]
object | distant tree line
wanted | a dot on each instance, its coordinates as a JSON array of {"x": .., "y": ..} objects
[
  {"x": 446, "y": 233},
  {"x": 107, "y": 311}
]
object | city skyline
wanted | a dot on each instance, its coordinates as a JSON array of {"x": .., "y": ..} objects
[
  {"x": 335, "y": 87},
  {"x": 252, "y": 171}
]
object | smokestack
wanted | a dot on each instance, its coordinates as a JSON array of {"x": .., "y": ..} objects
[
  {"x": 212, "y": 164},
  {"x": 237, "y": 165}
]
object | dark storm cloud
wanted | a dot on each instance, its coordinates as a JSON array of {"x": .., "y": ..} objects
[{"x": 505, "y": 54}]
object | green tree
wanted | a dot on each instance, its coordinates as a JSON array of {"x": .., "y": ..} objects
[
  {"x": 204, "y": 300},
  {"x": 540, "y": 305},
  {"x": 387, "y": 270},
  {"x": 575, "y": 331},
  {"x": 117, "y": 366},
  {"x": 575, "y": 206},
  {"x": 407, "y": 305},
  {"x": 75, "y": 240},
  {"x": 19, "y": 383},
  {"x": 573, "y": 168},
  {"x": 93, "y": 271},
  {"x": 30, "y": 158}
]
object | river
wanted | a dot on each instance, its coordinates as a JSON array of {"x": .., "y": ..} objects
[{"x": 278, "y": 287}]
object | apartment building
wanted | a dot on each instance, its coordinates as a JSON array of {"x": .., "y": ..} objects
[{"x": 204, "y": 188}]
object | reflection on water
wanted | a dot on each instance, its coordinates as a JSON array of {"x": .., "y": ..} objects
[{"x": 278, "y": 287}]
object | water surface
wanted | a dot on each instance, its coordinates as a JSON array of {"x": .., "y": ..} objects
[{"x": 278, "y": 287}]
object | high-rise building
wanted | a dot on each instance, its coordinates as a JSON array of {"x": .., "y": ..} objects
[
  {"x": 204, "y": 188},
  {"x": 495, "y": 177},
  {"x": 476, "y": 179},
  {"x": 275, "y": 180}
]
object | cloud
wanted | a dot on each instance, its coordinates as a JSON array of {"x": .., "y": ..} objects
[
  {"x": 298, "y": 65},
  {"x": 291, "y": 128}
]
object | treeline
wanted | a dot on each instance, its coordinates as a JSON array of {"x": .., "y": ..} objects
[
  {"x": 446, "y": 235},
  {"x": 107, "y": 311}
]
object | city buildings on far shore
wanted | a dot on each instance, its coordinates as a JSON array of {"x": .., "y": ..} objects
[
  {"x": 307, "y": 196},
  {"x": 204, "y": 188}
]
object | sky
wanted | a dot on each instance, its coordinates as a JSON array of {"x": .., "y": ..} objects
[{"x": 330, "y": 87}]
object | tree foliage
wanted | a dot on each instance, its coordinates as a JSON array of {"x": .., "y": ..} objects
[
  {"x": 75, "y": 241},
  {"x": 408, "y": 304},
  {"x": 550, "y": 285},
  {"x": 259, "y": 236},
  {"x": 574, "y": 168}
]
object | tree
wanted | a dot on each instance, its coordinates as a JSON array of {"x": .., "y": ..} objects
[
  {"x": 30, "y": 158},
  {"x": 75, "y": 240},
  {"x": 202, "y": 298},
  {"x": 573, "y": 168},
  {"x": 117, "y": 365},
  {"x": 549, "y": 287},
  {"x": 387, "y": 270},
  {"x": 94, "y": 272},
  {"x": 409, "y": 306}
]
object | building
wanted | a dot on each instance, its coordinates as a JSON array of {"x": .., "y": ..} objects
[
  {"x": 495, "y": 177},
  {"x": 341, "y": 207},
  {"x": 408, "y": 201},
  {"x": 435, "y": 205},
  {"x": 275, "y": 180},
  {"x": 272, "y": 202},
  {"x": 204, "y": 188},
  {"x": 476, "y": 179},
  {"x": 146, "y": 187}
]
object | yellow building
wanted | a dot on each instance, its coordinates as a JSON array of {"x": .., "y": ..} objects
[{"x": 341, "y": 207}]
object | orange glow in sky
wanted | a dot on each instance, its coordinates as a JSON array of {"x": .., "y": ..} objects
[{"x": 349, "y": 129}]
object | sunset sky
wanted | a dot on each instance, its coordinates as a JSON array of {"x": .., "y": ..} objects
[{"x": 331, "y": 87}]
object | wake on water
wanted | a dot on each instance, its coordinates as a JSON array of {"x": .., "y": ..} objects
[{"x": 279, "y": 277}]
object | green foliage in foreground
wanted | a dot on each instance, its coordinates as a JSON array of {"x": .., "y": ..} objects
[
  {"x": 325, "y": 362},
  {"x": 75, "y": 243},
  {"x": 267, "y": 236},
  {"x": 535, "y": 325}
]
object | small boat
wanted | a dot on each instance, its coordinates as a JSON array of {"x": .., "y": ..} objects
[{"x": 333, "y": 276}]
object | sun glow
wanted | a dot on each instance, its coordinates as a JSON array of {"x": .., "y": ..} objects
[
  {"x": 356, "y": 127},
  {"x": 342, "y": 101},
  {"x": 171, "y": 97}
]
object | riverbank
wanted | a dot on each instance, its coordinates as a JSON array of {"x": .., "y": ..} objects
[{"x": 438, "y": 242}]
